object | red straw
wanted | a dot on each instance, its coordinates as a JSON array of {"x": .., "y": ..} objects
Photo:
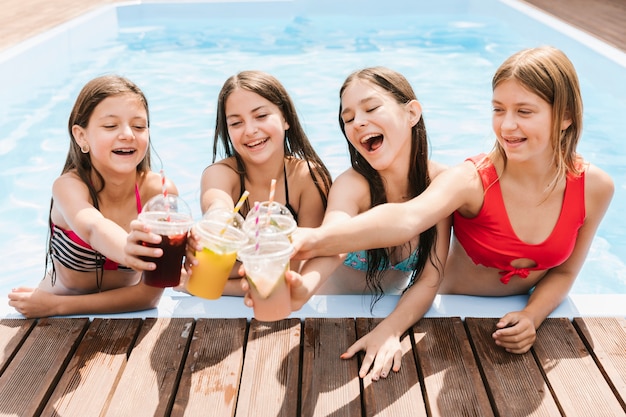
[
  {"x": 256, "y": 226},
  {"x": 164, "y": 190}
]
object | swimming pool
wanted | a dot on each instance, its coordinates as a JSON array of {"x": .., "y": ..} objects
[{"x": 180, "y": 54}]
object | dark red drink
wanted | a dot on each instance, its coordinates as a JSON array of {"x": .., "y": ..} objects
[{"x": 168, "y": 266}]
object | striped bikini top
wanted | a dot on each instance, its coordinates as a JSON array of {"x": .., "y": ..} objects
[{"x": 74, "y": 253}]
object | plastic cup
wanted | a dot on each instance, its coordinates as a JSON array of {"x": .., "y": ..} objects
[
  {"x": 265, "y": 266},
  {"x": 280, "y": 220},
  {"x": 221, "y": 236},
  {"x": 171, "y": 218}
]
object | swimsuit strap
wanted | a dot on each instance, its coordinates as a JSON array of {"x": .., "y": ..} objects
[
  {"x": 137, "y": 198},
  {"x": 291, "y": 210},
  {"x": 286, "y": 187}
]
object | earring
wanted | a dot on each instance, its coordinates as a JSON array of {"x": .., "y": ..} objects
[{"x": 84, "y": 148}]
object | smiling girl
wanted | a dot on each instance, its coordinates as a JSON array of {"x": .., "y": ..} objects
[
  {"x": 524, "y": 215},
  {"x": 262, "y": 139},
  {"x": 100, "y": 191},
  {"x": 382, "y": 121}
]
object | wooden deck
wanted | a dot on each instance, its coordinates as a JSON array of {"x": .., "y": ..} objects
[{"x": 232, "y": 367}]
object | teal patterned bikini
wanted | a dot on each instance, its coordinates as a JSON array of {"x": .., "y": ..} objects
[{"x": 358, "y": 260}]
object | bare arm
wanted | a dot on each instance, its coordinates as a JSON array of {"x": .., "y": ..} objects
[
  {"x": 382, "y": 345},
  {"x": 392, "y": 224},
  {"x": 218, "y": 184},
  {"x": 34, "y": 303},
  {"x": 552, "y": 289}
]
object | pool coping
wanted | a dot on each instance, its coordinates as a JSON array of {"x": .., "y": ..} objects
[
  {"x": 179, "y": 305},
  {"x": 176, "y": 304}
]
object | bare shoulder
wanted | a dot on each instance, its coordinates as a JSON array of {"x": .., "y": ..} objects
[
  {"x": 435, "y": 168},
  {"x": 223, "y": 175},
  {"x": 599, "y": 186},
  {"x": 300, "y": 170},
  {"x": 151, "y": 184},
  {"x": 351, "y": 178}
]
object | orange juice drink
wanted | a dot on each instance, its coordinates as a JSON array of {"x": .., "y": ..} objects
[
  {"x": 220, "y": 239},
  {"x": 265, "y": 262}
]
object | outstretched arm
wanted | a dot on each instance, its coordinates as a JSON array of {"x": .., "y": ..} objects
[{"x": 392, "y": 224}]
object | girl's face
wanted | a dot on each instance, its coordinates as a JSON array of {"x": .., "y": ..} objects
[
  {"x": 377, "y": 125},
  {"x": 117, "y": 134},
  {"x": 256, "y": 126},
  {"x": 522, "y": 122}
]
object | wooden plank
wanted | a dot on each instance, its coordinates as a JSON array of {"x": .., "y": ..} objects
[
  {"x": 32, "y": 374},
  {"x": 452, "y": 382},
  {"x": 400, "y": 393},
  {"x": 601, "y": 18},
  {"x": 576, "y": 381},
  {"x": 210, "y": 379},
  {"x": 271, "y": 370},
  {"x": 515, "y": 382},
  {"x": 12, "y": 334},
  {"x": 94, "y": 369},
  {"x": 148, "y": 384},
  {"x": 330, "y": 385},
  {"x": 606, "y": 340}
]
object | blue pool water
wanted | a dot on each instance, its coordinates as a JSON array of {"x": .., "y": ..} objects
[{"x": 181, "y": 54}]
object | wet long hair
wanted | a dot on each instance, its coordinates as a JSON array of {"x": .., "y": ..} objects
[
  {"x": 547, "y": 72},
  {"x": 378, "y": 260},
  {"x": 92, "y": 94},
  {"x": 296, "y": 143}
]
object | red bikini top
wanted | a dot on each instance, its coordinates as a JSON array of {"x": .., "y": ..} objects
[{"x": 489, "y": 238}]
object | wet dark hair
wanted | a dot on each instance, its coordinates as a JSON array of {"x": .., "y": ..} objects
[
  {"x": 296, "y": 144},
  {"x": 92, "y": 94},
  {"x": 378, "y": 259}
]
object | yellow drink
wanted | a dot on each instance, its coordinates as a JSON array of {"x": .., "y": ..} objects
[{"x": 209, "y": 277}]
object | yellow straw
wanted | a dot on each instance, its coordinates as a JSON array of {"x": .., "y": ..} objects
[{"x": 242, "y": 199}]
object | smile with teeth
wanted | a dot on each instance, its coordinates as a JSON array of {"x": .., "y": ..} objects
[
  {"x": 372, "y": 142},
  {"x": 513, "y": 139},
  {"x": 256, "y": 143},
  {"x": 124, "y": 151}
]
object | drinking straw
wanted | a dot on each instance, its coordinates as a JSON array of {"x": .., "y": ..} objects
[
  {"x": 242, "y": 199},
  {"x": 165, "y": 199},
  {"x": 256, "y": 226},
  {"x": 271, "y": 200}
]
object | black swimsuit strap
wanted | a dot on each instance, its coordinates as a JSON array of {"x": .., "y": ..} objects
[{"x": 291, "y": 210}]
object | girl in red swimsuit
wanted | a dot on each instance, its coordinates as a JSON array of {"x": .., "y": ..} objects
[
  {"x": 105, "y": 178},
  {"x": 524, "y": 215}
]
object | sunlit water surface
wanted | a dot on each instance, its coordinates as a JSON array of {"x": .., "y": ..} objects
[{"x": 181, "y": 61}]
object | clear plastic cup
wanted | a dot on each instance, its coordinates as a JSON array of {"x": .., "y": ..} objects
[
  {"x": 220, "y": 234},
  {"x": 265, "y": 263},
  {"x": 270, "y": 218},
  {"x": 171, "y": 218}
]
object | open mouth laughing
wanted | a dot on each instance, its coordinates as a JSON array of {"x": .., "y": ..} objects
[{"x": 372, "y": 142}]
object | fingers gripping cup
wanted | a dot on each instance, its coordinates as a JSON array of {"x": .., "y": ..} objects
[
  {"x": 220, "y": 234},
  {"x": 170, "y": 217},
  {"x": 270, "y": 218},
  {"x": 265, "y": 263}
]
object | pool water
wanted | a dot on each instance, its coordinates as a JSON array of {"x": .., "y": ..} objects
[{"x": 181, "y": 54}]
